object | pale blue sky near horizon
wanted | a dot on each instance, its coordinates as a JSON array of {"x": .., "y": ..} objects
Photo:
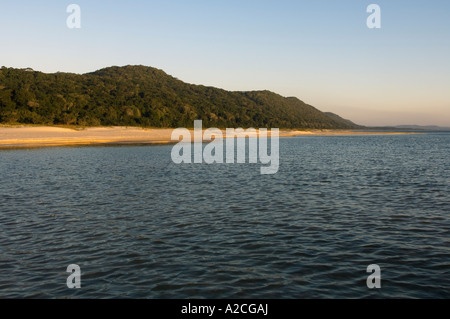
[{"x": 319, "y": 51}]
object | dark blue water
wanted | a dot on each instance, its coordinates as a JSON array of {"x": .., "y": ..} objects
[{"x": 140, "y": 226}]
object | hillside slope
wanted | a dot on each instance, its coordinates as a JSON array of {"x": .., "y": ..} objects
[
  {"x": 339, "y": 119},
  {"x": 145, "y": 96}
]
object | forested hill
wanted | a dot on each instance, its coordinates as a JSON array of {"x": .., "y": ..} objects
[{"x": 145, "y": 96}]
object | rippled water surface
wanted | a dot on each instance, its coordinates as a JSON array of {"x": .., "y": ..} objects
[{"x": 140, "y": 226}]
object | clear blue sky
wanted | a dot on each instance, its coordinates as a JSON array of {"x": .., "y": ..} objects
[{"x": 320, "y": 51}]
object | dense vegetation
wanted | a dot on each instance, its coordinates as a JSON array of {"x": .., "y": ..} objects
[
  {"x": 339, "y": 119},
  {"x": 144, "y": 96}
]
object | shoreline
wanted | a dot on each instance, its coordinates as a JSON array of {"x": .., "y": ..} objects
[{"x": 22, "y": 136}]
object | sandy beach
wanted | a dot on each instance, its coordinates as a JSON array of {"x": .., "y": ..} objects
[{"x": 47, "y": 136}]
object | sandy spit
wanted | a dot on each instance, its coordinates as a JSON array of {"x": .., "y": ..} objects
[{"x": 46, "y": 136}]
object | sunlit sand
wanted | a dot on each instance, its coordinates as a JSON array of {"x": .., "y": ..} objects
[{"x": 46, "y": 136}]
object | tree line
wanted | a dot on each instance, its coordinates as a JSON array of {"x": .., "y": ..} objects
[{"x": 147, "y": 97}]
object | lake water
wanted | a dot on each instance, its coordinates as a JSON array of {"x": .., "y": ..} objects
[{"x": 140, "y": 226}]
